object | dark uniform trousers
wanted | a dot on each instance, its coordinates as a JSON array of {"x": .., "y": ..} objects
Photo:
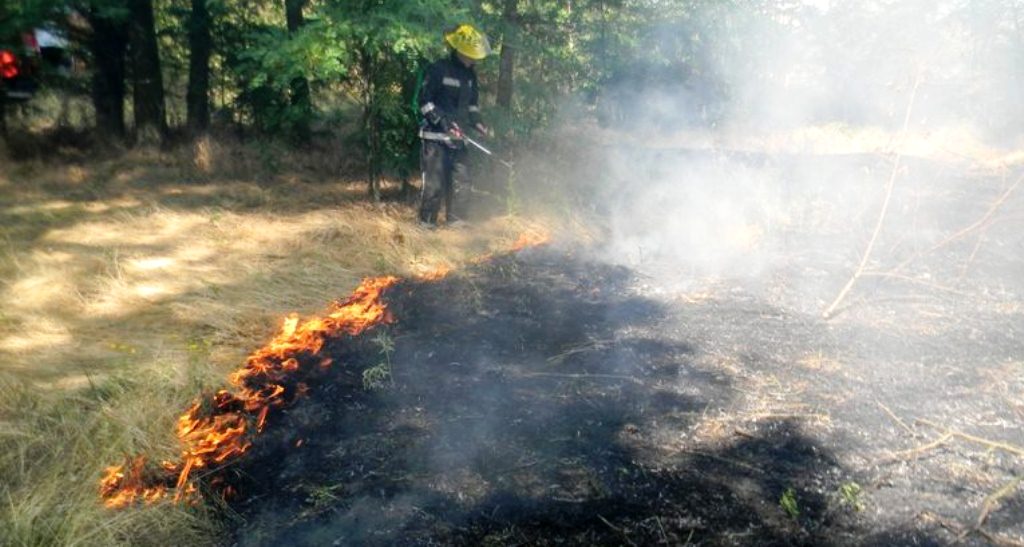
[{"x": 445, "y": 179}]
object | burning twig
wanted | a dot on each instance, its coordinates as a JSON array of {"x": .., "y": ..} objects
[{"x": 830, "y": 310}]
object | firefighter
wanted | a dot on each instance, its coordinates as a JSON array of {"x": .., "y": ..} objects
[{"x": 449, "y": 104}]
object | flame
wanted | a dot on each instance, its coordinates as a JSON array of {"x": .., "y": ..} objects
[
  {"x": 530, "y": 239},
  {"x": 434, "y": 274},
  {"x": 218, "y": 430},
  {"x": 122, "y": 485}
]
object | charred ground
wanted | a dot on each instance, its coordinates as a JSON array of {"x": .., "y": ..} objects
[
  {"x": 547, "y": 397},
  {"x": 537, "y": 399}
]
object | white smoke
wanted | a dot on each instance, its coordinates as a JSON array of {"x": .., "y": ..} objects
[{"x": 784, "y": 147}]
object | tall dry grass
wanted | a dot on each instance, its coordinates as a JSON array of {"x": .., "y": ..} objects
[{"x": 131, "y": 284}]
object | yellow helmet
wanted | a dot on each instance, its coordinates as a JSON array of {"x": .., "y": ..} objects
[{"x": 468, "y": 41}]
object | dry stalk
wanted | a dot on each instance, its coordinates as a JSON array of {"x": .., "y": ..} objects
[
  {"x": 830, "y": 310},
  {"x": 962, "y": 531},
  {"x": 992, "y": 501},
  {"x": 897, "y": 419},
  {"x": 594, "y": 345},
  {"x": 622, "y": 532},
  {"x": 974, "y": 253},
  {"x": 995, "y": 445},
  {"x": 980, "y": 223},
  {"x": 664, "y": 536},
  {"x": 918, "y": 451},
  {"x": 901, "y": 277}
]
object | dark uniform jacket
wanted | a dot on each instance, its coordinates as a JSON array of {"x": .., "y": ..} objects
[{"x": 449, "y": 94}]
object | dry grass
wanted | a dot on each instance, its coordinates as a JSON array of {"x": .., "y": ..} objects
[{"x": 131, "y": 284}]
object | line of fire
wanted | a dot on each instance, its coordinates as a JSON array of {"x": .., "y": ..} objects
[{"x": 217, "y": 430}]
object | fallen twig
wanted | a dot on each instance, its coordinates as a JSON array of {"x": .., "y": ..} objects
[
  {"x": 590, "y": 346},
  {"x": 897, "y": 419},
  {"x": 959, "y": 529},
  {"x": 664, "y": 536},
  {"x": 625, "y": 536},
  {"x": 992, "y": 501},
  {"x": 998, "y": 445},
  {"x": 901, "y": 277},
  {"x": 830, "y": 310},
  {"x": 914, "y": 452},
  {"x": 739, "y": 432},
  {"x": 964, "y": 231}
]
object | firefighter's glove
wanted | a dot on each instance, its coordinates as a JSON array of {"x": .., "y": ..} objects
[{"x": 454, "y": 131}]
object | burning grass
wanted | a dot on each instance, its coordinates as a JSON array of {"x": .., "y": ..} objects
[
  {"x": 128, "y": 292},
  {"x": 219, "y": 429}
]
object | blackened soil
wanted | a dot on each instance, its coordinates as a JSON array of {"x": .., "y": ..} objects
[{"x": 545, "y": 399}]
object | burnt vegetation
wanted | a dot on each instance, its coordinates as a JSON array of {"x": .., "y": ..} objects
[
  {"x": 534, "y": 398},
  {"x": 549, "y": 399}
]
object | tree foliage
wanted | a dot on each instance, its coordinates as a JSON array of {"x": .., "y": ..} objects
[{"x": 295, "y": 68}]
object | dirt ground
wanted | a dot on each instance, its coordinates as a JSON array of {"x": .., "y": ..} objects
[{"x": 550, "y": 397}]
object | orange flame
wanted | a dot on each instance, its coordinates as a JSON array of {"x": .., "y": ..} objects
[
  {"x": 530, "y": 239},
  {"x": 435, "y": 273},
  {"x": 220, "y": 429}
]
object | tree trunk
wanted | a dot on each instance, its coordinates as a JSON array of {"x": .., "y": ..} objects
[
  {"x": 371, "y": 124},
  {"x": 148, "y": 87},
  {"x": 300, "y": 86},
  {"x": 508, "y": 57},
  {"x": 108, "y": 43},
  {"x": 200, "y": 45},
  {"x": 3, "y": 118}
]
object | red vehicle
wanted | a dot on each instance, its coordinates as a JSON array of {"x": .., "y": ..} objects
[{"x": 20, "y": 67}]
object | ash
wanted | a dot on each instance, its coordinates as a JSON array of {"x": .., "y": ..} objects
[{"x": 546, "y": 398}]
